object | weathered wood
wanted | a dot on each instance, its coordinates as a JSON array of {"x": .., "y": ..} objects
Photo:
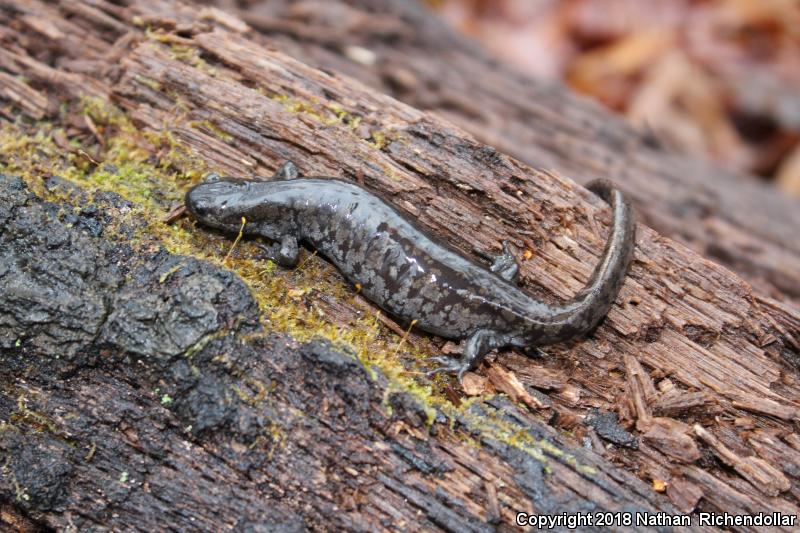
[
  {"x": 280, "y": 434},
  {"x": 401, "y": 49}
]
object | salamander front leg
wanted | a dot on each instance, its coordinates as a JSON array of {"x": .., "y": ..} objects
[
  {"x": 284, "y": 253},
  {"x": 505, "y": 265},
  {"x": 287, "y": 172},
  {"x": 475, "y": 349}
]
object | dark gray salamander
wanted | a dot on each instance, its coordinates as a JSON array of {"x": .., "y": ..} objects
[{"x": 407, "y": 273}]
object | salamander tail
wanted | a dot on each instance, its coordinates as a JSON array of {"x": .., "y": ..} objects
[{"x": 583, "y": 312}]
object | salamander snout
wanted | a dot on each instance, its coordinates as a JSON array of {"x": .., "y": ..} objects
[
  {"x": 219, "y": 203},
  {"x": 200, "y": 205}
]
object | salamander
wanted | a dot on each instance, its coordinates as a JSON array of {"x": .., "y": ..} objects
[{"x": 406, "y": 272}]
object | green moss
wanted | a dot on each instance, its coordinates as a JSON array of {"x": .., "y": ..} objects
[
  {"x": 150, "y": 82},
  {"x": 101, "y": 111},
  {"x": 191, "y": 56},
  {"x": 252, "y": 391},
  {"x": 328, "y": 114},
  {"x": 90, "y": 454},
  {"x": 165, "y": 276},
  {"x": 125, "y": 165},
  {"x": 309, "y": 109},
  {"x": 203, "y": 342},
  {"x": 272, "y": 438},
  {"x": 20, "y": 494},
  {"x": 343, "y": 116},
  {"x": 34, "y": 419},
  {"x": 378, "y": 139},
  {"x": 209, "y": 127},
  {"x": 180, "y": 49},
  {"x": 6, "y": 427}
]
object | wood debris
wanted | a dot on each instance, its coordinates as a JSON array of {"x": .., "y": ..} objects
[{"x": 762, "y": 475}]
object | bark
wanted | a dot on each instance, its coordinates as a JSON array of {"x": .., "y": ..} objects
[{"x": 145, "y": 390}]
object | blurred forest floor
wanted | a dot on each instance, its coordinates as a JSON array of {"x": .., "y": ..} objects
[{"x": 716, "y": 78}]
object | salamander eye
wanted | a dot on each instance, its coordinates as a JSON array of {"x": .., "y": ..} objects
[
  {"x": 200, "y": 210},
  {"x": 212, "y": 178}
]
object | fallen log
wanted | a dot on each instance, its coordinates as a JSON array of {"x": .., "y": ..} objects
[{"x": 148, "y": 384}]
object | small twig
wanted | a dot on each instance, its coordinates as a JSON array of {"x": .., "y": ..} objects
[
  {"x": 93, "y": 128},
  {"x": 382, "y": 318},
  {"x": 306, "y": 260},
  {"x": 89, "y": 157},
  {"x": 238, "y": 238},
  {"x": 403, "y": 338},
  {"x": 174, "y": 214}
]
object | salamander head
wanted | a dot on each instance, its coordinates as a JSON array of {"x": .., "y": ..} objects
[{"x": 220, "y": 202}]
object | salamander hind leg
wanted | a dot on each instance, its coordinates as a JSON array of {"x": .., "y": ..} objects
[
  {"x": 475, "y": 349},
  {"x": 505, "y": 265}
]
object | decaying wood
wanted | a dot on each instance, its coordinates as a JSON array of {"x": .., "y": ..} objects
[
  {"x": 263, "y": 432},
  {"x": 400, "y": 49},
  {"x": 502, "y": 380},
  {"x": 671, "y": 437}
]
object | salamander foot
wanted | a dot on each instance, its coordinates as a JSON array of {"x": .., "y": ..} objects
[
  {"x": 450, "y": 365},
  {"x": 504, "y": 264},
  {"x": 284, "y": 253},
  {"x": 288, "y": 171},
  {"x": 476, "y": 347}
]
